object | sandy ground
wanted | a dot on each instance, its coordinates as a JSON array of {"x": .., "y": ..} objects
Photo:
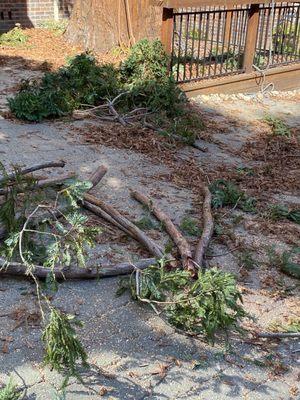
[{"x": 142, "y": 357}]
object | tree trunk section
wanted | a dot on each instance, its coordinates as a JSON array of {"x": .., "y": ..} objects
[{"x": 103, "y": 24}]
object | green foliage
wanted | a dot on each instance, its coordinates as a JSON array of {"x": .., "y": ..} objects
[
  {"x": 247, "y": 260},
  {"x": 15, "y": 37},
  {"x": 63, "y": 350},
  {"x": 285, "y": 261},
  {"x": 143, "y": 78},
  {"x": 146, "y": 223},
  {"x": 226, "y": 193},
  {"x": 146, "y": 62},
  {"x": 58, "y": 27},
  {"x": 82, "y": 81},
  {"x": 209, "y": 304},
  {"x": 10, "y": 392},
  {"x": 284, "y": 37},
  {"x": 186, "y": 127},
  {"x": 190, "y": 226},
  {"x": 291, "y": 326},
  {"x": 279, "y": 128},
  {"x": 46, "y": 240},
  {"x": 277, "y": 212}
]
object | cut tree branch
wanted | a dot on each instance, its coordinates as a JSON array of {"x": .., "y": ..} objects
[
  {"x": 177, "y": 237},
  {"x": 99, "y": 271},
  {"x": 51, "y": 164},
  {"x": 97, "y": 175},
  {"x": 131, "y": 228},
  {"x": 207, "y": 230},
  {"x": 44, "y": 183}
]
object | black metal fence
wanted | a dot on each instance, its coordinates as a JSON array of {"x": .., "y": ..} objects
[
  {"x": 278, "y": 39},
  {"x": 211, "y": 42}
]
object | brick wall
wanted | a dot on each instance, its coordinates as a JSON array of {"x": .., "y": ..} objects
[{"x": 29, "y": 13}]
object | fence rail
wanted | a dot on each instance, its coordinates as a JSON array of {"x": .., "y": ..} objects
[{"x": 216, "y": 41}]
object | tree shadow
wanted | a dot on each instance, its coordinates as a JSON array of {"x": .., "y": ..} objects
[{"x": 12, "y": 14}]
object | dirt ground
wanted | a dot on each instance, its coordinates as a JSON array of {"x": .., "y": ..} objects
[{"x": 140, "y": 355}]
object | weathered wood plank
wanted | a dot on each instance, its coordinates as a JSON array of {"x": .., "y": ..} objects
[{"x": 284, "y": 78}]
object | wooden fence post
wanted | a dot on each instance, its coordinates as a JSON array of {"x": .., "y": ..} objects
[
  {"x": 167, "y": 29},
  {"x": 228, "y": 22},
  {"x": 251, "y": 36}
]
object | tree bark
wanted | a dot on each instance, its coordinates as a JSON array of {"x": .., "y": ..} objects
[
  {"x": 180, "y": 241},
  {"x": 99, "y": 271},
  {"x": 207, "y": 230},
  {"x": 131, "y": 228},
  {"x": 103, "y": 24}
]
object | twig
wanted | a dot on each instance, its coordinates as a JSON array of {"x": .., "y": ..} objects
[
  {"x": 207, "y": 230},
  {"x": 51, "y": 164},
  {"x": 198, "y": 147},
  {"x": 279, "y": 335},
  {"x": 177, "y": 237}
]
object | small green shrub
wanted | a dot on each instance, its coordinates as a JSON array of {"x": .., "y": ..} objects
[
  {"x": 147, "y": 61},
  {"x": 226, "y": 193},
  {"x": 277, "y": 212},
  {"x": 285, "y": 261},
  {"x": 58, "y": 27},
  {"x": 247, "y": 260},
  {"x": 279, "y": 128},
  {"x": 146, "y": 223},
  {"x": 15, "y": 37},
  {"x": 190, "y": 226},
  {"x": 10, "y": 392}
]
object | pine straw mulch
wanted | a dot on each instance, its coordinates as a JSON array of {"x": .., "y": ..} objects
[
  {"x": 159, "y": 148},
  {"x": 45, "y": 50},
  {"x": 277, "y": 158}
]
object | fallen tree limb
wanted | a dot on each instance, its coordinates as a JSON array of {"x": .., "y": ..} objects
[
  {"x": 97, "y": 175},
  {"x": 279, "y": 335},
  {"x": 45, "y": 183},
  {"x": 51, "y": 164},
  {"x": 132, "y": 229},
  {"x": 177, "y": 237},
  {"x": 102, "y": 214},
  {"x": 207, "y": 230},
  {"x": 99, "y": 271}
]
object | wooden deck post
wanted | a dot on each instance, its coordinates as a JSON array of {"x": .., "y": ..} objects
[
  {"x": 251, "y": 36},
  {"x": 167, "y": 29}
]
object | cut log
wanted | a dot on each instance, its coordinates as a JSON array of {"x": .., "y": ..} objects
[
  {"x": 102, "y": 214},
  {"x": 99, "y": 271},
  {"x": 207, "y": 230},
  {"x": 97, "y": 175},
  {"x": 180, "y": 241},
  {"x": 51, "y": 164},
  {"x": 132, "y": 229}
]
